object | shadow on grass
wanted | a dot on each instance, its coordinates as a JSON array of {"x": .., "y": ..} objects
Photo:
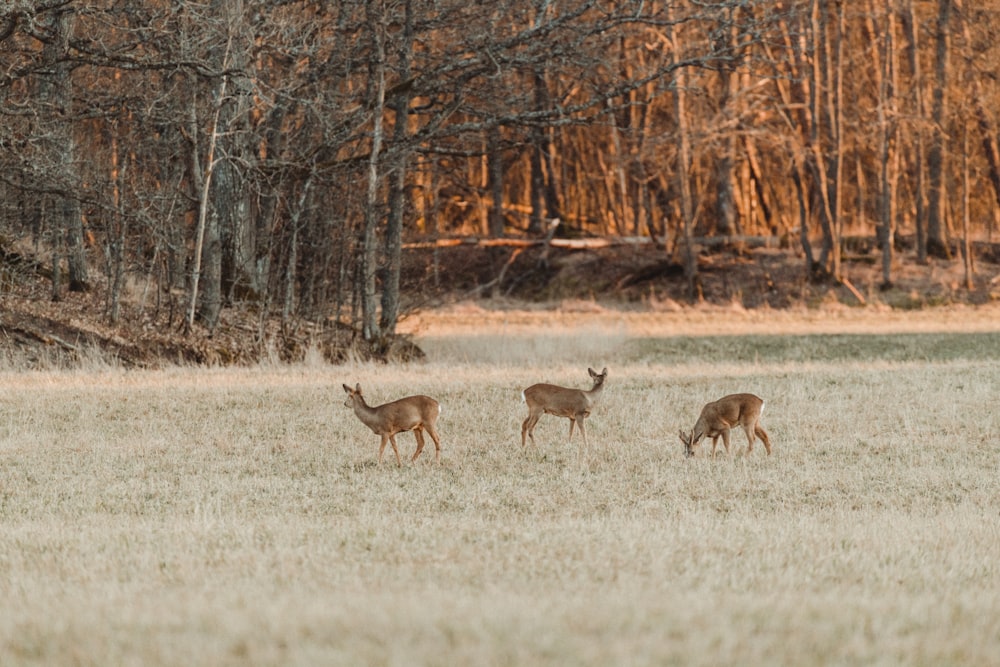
[{"x": 929, "y": 347}]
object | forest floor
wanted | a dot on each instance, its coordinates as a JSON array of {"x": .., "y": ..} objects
[{"x": 37, "y": 332}]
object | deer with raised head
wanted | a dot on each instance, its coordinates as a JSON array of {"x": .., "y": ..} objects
[
  {"x": 413, "y": 413},
  {"x": 719, "y": 416},
  {"x": 562, "y": 402}
]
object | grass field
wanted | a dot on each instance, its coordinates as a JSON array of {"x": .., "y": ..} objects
[{"x": 237, "y": 517}]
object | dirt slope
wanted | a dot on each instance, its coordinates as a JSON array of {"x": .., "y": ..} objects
[{"x": 36, "y": 332}]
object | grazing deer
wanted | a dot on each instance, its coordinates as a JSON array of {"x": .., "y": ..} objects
[
  {"x": 561, "y": 402},
  {"x": 719, "y": 416},
  {"x": 413, "y": 413}
]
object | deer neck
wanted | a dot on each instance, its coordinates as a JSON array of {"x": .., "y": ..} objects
[
  {"x": 365, "y": 413},
  {"x": 700, "y": 430},
  {"x": 595, "y": 392}
]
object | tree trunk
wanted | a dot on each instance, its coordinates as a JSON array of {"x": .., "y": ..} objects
[
  {"x": 818, "y": 89},
  {"x": 683, "y": 174},
  {"x": 206, "y": 263},
  {"x": 836, "y": 113},
  {"x": 118, "y": 233},
  {"x": 989, "y": 141},
  {"x": 794, "y": 109},
  {"x": 400, "y": 105},
  {"x": 494, "y": 167},
  {"x": 225, "y": 234},
  {"x": 937, "y": 245},
  {"x": 966, "y": 241},
  {"x": 238, "y": 239},
  {"x": 369, "y": 258},
  {"x": 56, "y": 90},
  {"x": 886, "y": 82},
  {"x": 291, "y": 266},
  {"x": 726, "y": 218},
  {"x": 537, "y": 177},
  {"x": 919, "y": 163}
]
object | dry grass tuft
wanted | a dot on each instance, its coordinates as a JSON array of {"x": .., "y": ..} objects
[{"x": 214, "y": 517}]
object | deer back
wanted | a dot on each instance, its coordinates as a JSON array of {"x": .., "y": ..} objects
[
  {"x": 405, "y": 413},
  {"x": 557, "y": 400},
  {"x": 563, "y": 401},
  {"x": 728, "y": 411}
]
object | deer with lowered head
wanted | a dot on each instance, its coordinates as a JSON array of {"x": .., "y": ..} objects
[
  {"x": 562, "y": 402},
  {"x": 413, "y": 413},
  {"x": 719, "y": 416}
]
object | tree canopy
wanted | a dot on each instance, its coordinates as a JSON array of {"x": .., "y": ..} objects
[{"x": 279, "y": 152}]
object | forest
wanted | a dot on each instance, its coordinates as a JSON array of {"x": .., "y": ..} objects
[{"x": 179, "y": 158}]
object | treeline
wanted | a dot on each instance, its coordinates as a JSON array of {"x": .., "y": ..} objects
[{"x": 188, "y": 155}]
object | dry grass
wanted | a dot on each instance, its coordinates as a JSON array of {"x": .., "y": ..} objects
[{"x": 236, "y": 516}]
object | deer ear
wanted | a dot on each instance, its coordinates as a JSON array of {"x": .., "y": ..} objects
[
  {"x": 358, "y": 387},
  {"x": 347, "y": 389},
  {"x": 592, "y": 373},
  {"x": 605, "y": 371}
]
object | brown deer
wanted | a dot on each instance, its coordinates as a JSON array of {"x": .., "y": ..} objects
[
  {"x": 719, "y": 416},
  {"x": 413, "y": 413},
  {"x": 561, "y": 402}
]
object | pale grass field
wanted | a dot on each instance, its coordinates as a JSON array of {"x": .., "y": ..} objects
[{"x": 236, "y": 517}]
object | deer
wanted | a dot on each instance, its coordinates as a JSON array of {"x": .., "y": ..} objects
[
  {"x": 561, "y": 402},
  {"x": 413, "y": 413},
  {"x": 719, "y": 416}
]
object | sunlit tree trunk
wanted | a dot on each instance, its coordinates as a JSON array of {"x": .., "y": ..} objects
[
  {"x": 821, "y": 132},
  {"x": 683, "y": 173},
  {"x": 966, "y": 240},
  {"x": 919, "y": 162},
  {"x": 726, "y": 219},
  {"x": 979, "y": 99},
  {"x": 836, "y": 113},
  {"x": 793, "y": 95},
  {"x": 884, "y": 48},
  {"x": 494, "y": 168}
]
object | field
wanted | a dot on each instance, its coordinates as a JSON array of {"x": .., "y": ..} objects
[{"x": 237, "y": 517}]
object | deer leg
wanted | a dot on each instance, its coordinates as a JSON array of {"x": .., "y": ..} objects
[
  {"x": 583, "y": 432},
  {"x": 715, "y": 442},
  {"x": 762, "y": 434},
  {"x": 572, "y": 423},
  {"x": 381, "y": 448},
  {"x": 749, "y": 428},
  {"x": 419, "y": 435},
  {"x": 528, "y": 427},
  {"x": 395, "y": 449},
  {"x": 437, "y": 442},
  {"x": 725, "y": 440}
]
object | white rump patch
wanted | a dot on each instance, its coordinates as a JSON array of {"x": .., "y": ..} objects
[
  {"x": 762, "y": 404},
  {"x": 523, "y": 399}
]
